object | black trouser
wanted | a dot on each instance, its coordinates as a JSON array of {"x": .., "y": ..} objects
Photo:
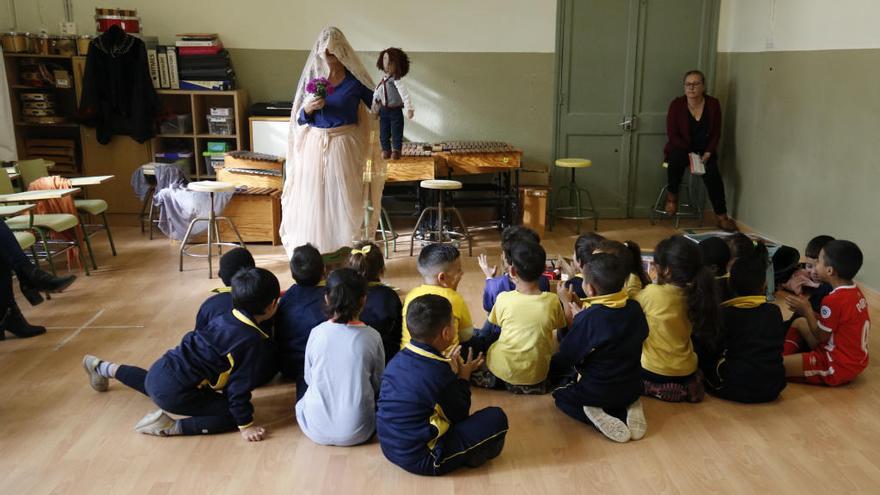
[
  {"x": 391, "y": 128},
  {"x": 678, "y": 161},
  {"x": 208, "y": 410},
  {"x": 12, "y": 259}
]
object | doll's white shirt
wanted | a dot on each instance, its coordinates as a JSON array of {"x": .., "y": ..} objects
[{"x": 380, "y": 96}]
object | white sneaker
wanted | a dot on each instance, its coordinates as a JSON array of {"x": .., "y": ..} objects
[
  {"x": 155, "y": 423},
  {"x": 610, "y": 426},
  {"x": 98, "y": 382},
  {"x": 635, "y": 420}
]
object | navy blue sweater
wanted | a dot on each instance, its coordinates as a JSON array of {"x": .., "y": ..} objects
[
  {"x": 419, "y": 399},
  {"x": 225, "y": 355},
  {"x": 300, "y": 310},
  {"x": 384, "y": 312}
]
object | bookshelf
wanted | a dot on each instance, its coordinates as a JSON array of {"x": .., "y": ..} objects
[
  {"x": 60, "y": 142},
  {"x": 197, "y": 104}
]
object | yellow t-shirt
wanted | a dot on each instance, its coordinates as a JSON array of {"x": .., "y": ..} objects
[
  {"x": 461, "y": 316},
  {"x": 521, "y": 356},
  {"x": 633, "y": 286},
  {"x": 667, "y": 350}
]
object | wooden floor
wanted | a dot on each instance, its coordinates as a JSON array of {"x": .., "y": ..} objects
[{"x": 59, "y": 436}]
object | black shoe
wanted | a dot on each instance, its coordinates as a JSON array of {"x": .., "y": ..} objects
[
  {"x": 32, "y": 280},
  {"x": 15, "y": 323}
]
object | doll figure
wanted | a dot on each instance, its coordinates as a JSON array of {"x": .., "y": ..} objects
[{"x": 391, "y": 98}]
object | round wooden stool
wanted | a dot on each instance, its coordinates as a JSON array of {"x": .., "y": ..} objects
[
  {"x": 210, "y": 187},
  {"x": 443, "y": 235},
  {"x": 574, "y": 209}
]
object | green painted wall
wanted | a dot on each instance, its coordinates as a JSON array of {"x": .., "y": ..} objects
[
  {"x": 481, "y": 96},
  {"x": 800, "y": 153}
]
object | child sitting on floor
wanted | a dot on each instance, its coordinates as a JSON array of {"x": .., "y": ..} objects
[
  {"x": 495, "y": 285},
  {"x": 604, "y": 346},
  {"x": 383, "y": 310},
  {"x": 682, "y": 302},
  {"x": 745, "y": 364},
  {"x": 838, "y": 339},
  {"x": 583, "y": 249},
  {"x": 424, "y": 422},
  {"x": 630, "y": 255},
  {"x": 343, "y": 368},
  {"x": 440, "y": 268},
  {"x": 301, "y": 309},
  {"x": 210, "y": 375},
  {"x": 221, "y": 302},
  {"x": 519, "y": 359}
]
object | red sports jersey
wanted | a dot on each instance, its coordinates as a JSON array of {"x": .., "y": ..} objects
[{"x": 844, "y": 313}]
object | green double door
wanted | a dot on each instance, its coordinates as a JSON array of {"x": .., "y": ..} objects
[{"x": 619, "y": 64}]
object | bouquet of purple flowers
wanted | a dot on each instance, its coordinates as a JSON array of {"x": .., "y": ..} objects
[{"x": 320, "y": 87}]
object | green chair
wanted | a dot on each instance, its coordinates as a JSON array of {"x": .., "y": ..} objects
[
  {"x": 32, "y": 170},
  {"x": 42, "y": 224}
]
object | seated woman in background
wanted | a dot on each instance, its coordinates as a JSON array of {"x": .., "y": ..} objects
[{"x": 31, "y": 279}]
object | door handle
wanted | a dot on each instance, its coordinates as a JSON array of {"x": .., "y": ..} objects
[{"x": 629, "y": 124}]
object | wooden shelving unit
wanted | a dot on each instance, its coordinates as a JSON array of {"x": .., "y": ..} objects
[
  {"x": 197, "y": 104},
  {"x": 65, "y": 104}
]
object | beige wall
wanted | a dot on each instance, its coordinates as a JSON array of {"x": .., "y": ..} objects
[
  {"x": 417, "y": 25},
  {"x": 800, "y": 154}
]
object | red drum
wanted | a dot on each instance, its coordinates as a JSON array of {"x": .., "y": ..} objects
[{"x": 128, "y": 24}]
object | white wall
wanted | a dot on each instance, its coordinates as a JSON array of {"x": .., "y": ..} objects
[
  {"x": 370, "y": 25},
  {"x": 792, "y": 25}
]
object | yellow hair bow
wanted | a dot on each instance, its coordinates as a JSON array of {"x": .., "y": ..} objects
[{"x": 364, "y": 251}]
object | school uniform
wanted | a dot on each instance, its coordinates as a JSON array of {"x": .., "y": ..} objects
[
  {"x": 221, "y": 303},
  {"x": 669, "y": 362},
  {"x": 604, "y": 346},
  {"x": 208, "y": 377},
  {"x": 384, "y": 312},
  {"x": 493, "y": 288},
  {"x": 343, "y": 369},
  {"x": 576, "y": 285},
  {"x": 300, "y": 310},
  {"x": 522, "y": 353},
  {"x": 749, "y": 368},
  {"x": 461, "y": 315},
  {"x": 423, "y": 422}
]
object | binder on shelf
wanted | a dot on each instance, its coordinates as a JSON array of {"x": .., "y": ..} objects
[
  {"x": 206, "y": 85},
  {"x": 164, "y": 80},
  {"x": 153, "y": 63},
  {"x": 173, "y": 74}
]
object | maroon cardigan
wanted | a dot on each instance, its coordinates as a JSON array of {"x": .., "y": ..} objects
[{"x": 678, "y": 126}]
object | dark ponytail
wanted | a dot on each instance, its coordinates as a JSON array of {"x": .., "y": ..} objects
[
  {"x": 685, "y": 269},
  {"x": 346, "y": 290},
  {"x": 637, "y": 269},
  {"x": 748, "y": 274}
]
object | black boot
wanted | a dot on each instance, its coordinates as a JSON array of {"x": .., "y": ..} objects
[
  {"x": 15, "y": 323},
  {"x": 32, "y": 280}
]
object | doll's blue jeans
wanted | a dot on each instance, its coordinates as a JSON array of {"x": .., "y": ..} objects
[{"x": 391, "y": 128}]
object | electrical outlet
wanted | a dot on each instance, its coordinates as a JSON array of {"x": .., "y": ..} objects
[{"x": 68, "y": 27}]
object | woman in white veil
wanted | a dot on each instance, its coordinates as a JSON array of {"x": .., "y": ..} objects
[{"x": 333, "y": 166}]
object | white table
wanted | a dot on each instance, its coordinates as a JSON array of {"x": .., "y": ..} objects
[
  {"x": 13, "y": 210},
  {"x": 38, "y": 195},
  {"x": 92, "y": 180}
]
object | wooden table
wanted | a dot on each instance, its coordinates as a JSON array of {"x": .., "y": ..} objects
[
  {"x": 13, "y": 210},
  {"x": 92, "y": 180},
  {"x": 38, "y": 195}
]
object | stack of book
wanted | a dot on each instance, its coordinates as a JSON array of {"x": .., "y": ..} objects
[{"x": 203, "y": 63}]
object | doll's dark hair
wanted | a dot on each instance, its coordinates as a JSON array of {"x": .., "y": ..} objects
[
  {"x": 396, "y": 56},
  {"x": 370, "y": 264},
  {"x": 685, "y": 267},
  {"x": 346, "y": 289}
]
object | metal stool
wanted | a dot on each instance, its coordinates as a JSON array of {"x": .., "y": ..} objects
[
  {"x": 443, "y": 235},
  {"x": 210, "y": 187},
  {"x": 578, "y": 212},
  {"x": 691, "y": 201}
]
